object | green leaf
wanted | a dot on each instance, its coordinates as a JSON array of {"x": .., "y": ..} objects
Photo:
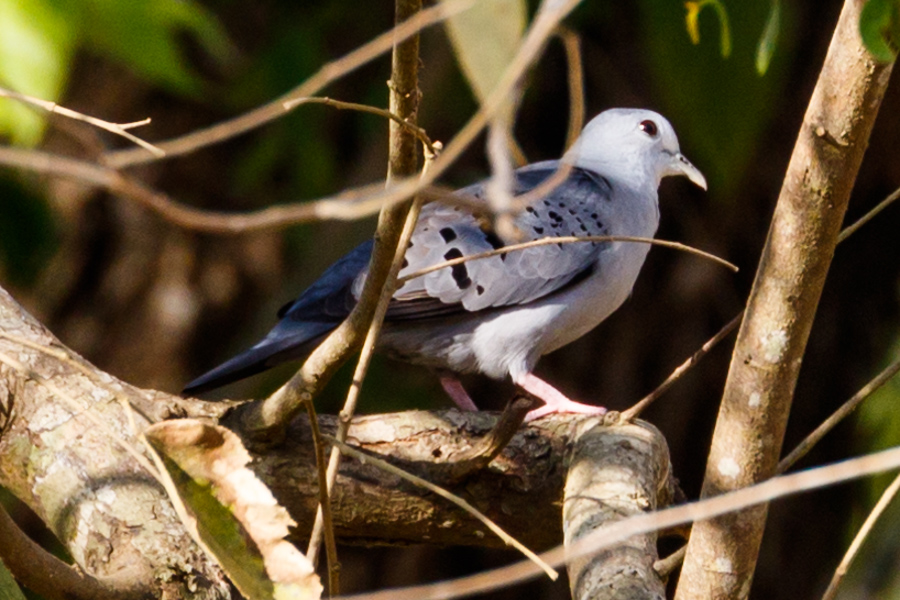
[
  {"x": 9, "y": 589},
  {"x": 692, "y": 19},
  {"x": 485, "y": 39},
  {"x": 879, "y": 27},
  {"x": 36, "y": 47},
  {"x": 769, "y": 38},
  {"x": 720, "y": 109},
  {"x": 145, "y": 36}
]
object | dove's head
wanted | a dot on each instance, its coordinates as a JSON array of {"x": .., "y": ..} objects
[{"x": 639, "y": 146}]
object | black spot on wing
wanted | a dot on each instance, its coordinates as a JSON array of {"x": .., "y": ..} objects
[
  {"x": 453, "y": 253},
  {"x": 461, "y": 276},
  {"x": 460, "y": 272},
  {"x": 448, "y": 234},
  {"x": 494, "y": 240}
]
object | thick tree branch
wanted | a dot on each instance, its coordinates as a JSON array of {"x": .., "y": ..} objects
[
  {"x": 93, "y": 494},
  {"x": 750, "y": 429},
  {"x": 109, "y": 513},
  {"x": 616, "y": 473}
]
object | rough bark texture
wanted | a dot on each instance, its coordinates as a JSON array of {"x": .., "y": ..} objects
[
  {"x": 750, "y": 429},
  {"x": 112, "y": 517},
  {"x": 119, "y": 526},
  {"x": 616, "y": 473},
  {"x": 521, "y": 487}
]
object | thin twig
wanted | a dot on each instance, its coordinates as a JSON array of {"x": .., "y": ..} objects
[
  {"x": 329, "y": 72},
  {"x": 349, "y": 205},
  {"x": 572, "y": 44},
  {"x": 388, "y": 467},
  {"x": 116, "y": 128},
  {"x": 666, "y": 566},
  {"x": 365, "y": 357},
  {"x": 374, "y": 110},
  {"x": 324, "y": 507},
  {"x": 837, "y": 416},
  {"x": 640, "y": 406},
  {"x": 869, "y": 215},
  {"x": 486, "y": 449},
  {"x": 568, "y": 240},
  {"x": 860, "y": 537},
  {"x": 684, "y": 367},
  {"x": 610, "y": 535},
  {"x": 395, "y": 227}
]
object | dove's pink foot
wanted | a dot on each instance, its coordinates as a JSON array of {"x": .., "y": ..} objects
[
  {"x": 457, "y": 393},
  {"x": 555, "y": 401}
]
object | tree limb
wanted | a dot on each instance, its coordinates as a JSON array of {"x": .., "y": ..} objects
[
  {"x": 616, "y": 473},
  {"x": 104, "y": 507},
  {"x": 756, "y": 402}
]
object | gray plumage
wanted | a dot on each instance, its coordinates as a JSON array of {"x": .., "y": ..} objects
[{"x": 499, "y": 315}]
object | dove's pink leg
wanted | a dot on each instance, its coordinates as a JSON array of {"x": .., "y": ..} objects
[
  {"x": 457, "y": 393},
  {"x": 555, "y": 401}
]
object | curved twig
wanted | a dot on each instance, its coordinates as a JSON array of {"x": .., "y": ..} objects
[
  {"x": 372, "y": 110},
  {"x": 569, "y": 240},
  {"x": 275, "y": 109}
]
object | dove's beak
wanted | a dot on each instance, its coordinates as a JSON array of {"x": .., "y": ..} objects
[{"x": 682, "y": 166}]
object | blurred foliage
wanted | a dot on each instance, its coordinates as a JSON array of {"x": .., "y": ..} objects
[
  {"x": 39, "y": 38},
  {"x": 769, "y": 39},
  {"x": 485, "y": 40},
  {"x": 879, "y": 25},
  {"x": 36, "y": 48},
  {"x": 721, "y": 104},
  {"x": 27, "y": 233},
  {"x": 693, "y": 16}
]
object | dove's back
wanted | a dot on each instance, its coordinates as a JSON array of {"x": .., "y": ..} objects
[{"x": 493, "y": 315}]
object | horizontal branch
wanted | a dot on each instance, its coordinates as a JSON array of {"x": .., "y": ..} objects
[
  {"x": 614, "y": 533},
  {"x": 569, "y": 239}
]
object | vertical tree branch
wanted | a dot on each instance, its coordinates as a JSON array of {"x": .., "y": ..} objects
[
  {"x": 262, "y": 419},
  {"x": 756, "y": 402},
  {"x": 615, "y": 473},
  {"x": 404, "y": 102}
]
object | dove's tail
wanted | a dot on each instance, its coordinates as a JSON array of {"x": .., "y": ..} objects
[{"x": 278, "y": 347}]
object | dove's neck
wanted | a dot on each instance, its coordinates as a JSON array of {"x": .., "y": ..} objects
[{"x": 623, "y": 168}]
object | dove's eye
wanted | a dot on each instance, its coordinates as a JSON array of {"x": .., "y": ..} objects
[{"x": 649, "y": 127}]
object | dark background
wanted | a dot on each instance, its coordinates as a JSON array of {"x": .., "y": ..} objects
[{"x": 156, "y": 305}]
